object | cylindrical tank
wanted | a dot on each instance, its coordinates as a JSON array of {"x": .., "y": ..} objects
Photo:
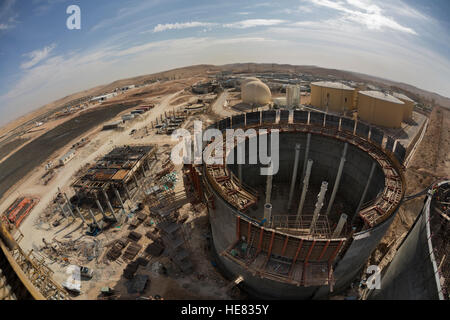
[
  {"x": 380, "y": 109},
  {"x": 332, "y": 96},
  {"x": 293, "y": 95},
  {"x": 280, "y": 257},
  {"x": 409, "y": 105}
]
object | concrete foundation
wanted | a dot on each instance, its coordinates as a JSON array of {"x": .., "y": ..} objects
[{"x": 317, "y": 263}]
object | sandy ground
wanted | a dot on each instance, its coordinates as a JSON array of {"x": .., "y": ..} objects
[
  {"x": 99, "y": 145},
  {"x": 431, "y": 162},
  {"x": 204, "y": 283}
]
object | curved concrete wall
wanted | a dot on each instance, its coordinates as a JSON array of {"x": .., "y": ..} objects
[
  {"x": 412, "y": 274},
  {"x": 326, "y": 153},
  {"x": 223, "y": 226}
]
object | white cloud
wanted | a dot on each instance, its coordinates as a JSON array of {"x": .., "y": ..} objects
[
  {"x": 37, "y": 56},
  {"x": 184, "y": 25},
  {"x": 249, "y": 23},
  {"x": 364, "y": 12},
  {"x": 126, "y": 13},
  {"x": 8, "y": 15},
  {"x": 61, "y": 75}
]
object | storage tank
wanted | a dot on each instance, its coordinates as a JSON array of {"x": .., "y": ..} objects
[
  {"x": 285, "y": 235},
  {"x": 334, "y": 96},
  {"x": 409, "y": 105},
  {"x": 380, "y": 109},
  {"x": 280, "y": 102},
  {"x": 256, "y": 92},
  {"x": 293, "y": 95},
  {"x": 244, "y": 81}
]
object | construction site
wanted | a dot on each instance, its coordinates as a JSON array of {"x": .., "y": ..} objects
[
  {"x": 117, "y": 218},
  {"x": 276, "y": 232}
]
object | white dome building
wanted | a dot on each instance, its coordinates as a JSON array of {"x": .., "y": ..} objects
[
  {"x": 256, "y": 92},
  {"x": 244, "y": 81}
]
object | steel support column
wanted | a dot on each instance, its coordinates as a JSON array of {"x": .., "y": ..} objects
[
  {"x": 319, "y": 204},
  {"x": 304, "y": 189},
  {"x": 338, "y": 179},
  {"x": 305, "y": 162},
  {"x": 294, "y": 175}
]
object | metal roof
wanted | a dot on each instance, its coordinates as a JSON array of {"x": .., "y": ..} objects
[
  {"x": 67, "y": 155},
  {"x": 333, "y": 85},
  {"x": 382, "y": 96}
]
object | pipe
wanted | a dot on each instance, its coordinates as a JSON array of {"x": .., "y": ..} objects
[
  {"x": 118, "y": 197},
  {"x": 136, "y": 180},
  {"x": 319, "y": 205},
  {"x": 269, "y": 186},
  {"x": 305, "y": 162},
  {"x": 241, "y": 161},
  {"x": 62, "y": 210},
  {"x": 81, "y": 216},
  {"x": 69, "y": 205},
  {"x": 93, "y": 218},
  {"x": 240, "y": 173},
  {"x": 366, "y": 188},
  {"x": 304, "y": 189},
  {"x": 342, "y": 221},
  {"x": 109, "y": 205},
  {"x": 294, "y": 175},
  {"x": 338, "y": 178},
  {"x": 101, "y": 208},
  {"x": 267, "y": 212},
  {"x": 127, "y": 191}
]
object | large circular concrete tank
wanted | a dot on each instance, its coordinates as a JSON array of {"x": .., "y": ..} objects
[
  {"x": 256, "y": 92},
  {"x": 281, "y": 253}
]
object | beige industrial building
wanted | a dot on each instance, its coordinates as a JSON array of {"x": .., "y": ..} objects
[
  {"x": 256, "y": 92},
  {"x": 332, "y": 96},
  {"x": 409, "y": 105},
  {"x": 380, "y": 109}
]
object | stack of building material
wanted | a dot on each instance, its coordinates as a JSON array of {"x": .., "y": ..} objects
[
  {"x": 116, "y": 250},
  {"x": 142, "y": 261},
  {"x": 20, "y": 209},
  {"x": 134, "y": 236},
  {"x": 138, "y": 284},
  {"x": 155, "y": 249},
  {"x": 141, "y": 216},
  {"x": 131, "y": 251},
  {"x": 130, "y": 270}
]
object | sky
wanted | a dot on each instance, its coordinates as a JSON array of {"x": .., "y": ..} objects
[{"x": 41, "y": 60}]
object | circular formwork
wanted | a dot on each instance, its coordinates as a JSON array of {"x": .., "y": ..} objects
[{"x": 287, "y": 257}]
